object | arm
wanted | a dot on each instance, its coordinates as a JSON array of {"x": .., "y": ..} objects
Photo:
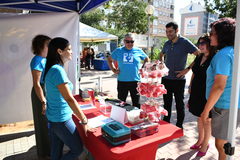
[
  {"x": 215, "y": 93},
  {"x": 38, "y": 89},
  {"x": 196, "y": 53},
  {"x": 185, "y": 71},
  {"x": 190, "y": 85},
  {"x": 67, "y": 95},
  {"x": 111, "y": 65},
  {"x": 145, "y": 61},
  {"x": 161, "y": 57}
]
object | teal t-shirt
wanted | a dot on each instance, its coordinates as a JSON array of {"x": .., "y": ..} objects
[
  {"x": 58, "y": 109},
  {"x": 129, "y": 62},
  {"x": 38, "y": 63},
  {"x": 221, "y": 64}
]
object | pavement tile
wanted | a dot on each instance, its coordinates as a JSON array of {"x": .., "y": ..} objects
[{"x": 178, "y": 149}]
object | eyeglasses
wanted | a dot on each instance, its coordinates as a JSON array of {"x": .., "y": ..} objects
[
  {"x": 127, "y": 41},
  {"x": 201, "y": 43}
]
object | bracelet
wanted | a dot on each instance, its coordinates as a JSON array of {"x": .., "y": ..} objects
[
  {"x": 84, "y": 123},
  {"x": 43, "y": 102}
]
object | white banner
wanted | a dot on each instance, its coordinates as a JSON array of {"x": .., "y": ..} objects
[
  {"x": 16, "y": 34},
  {"x": 191, "y": 26}
]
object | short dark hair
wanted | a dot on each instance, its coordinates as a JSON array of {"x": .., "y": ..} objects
[
  {"x": 225, "y": 30},
  {"x": 172, "y": 24},
  {"x": 38, "y": 43},
  {"x": 53, "y": 57}
]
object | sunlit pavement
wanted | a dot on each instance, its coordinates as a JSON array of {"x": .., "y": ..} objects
[{"x": 21, "y": 146}]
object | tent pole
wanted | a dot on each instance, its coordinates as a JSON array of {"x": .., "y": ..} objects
[
  {"x": 79, "y": 61},
  {"x": 235, "y": 85}
]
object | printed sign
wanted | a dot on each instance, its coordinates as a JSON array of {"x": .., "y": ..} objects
[{"x": 191, "y": 26}]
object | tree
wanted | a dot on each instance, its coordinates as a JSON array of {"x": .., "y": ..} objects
[
  {"x": 128, "y": 16},
  {"x": 119, "y": 17},
  {"x": 93, "y": 18},
  {"x": 225, "y": 8}
]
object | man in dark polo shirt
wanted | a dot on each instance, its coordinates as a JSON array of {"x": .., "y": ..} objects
[{"x": 174, "y": 54}]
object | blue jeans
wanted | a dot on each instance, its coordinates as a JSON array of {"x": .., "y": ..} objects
[{"x": 64, "y": 133}]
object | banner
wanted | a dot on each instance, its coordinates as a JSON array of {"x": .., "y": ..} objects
[
  {"x": 16, "y": 34},
  {"x": 191, "y": 26}
]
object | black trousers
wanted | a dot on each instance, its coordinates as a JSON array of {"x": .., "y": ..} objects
[
  {"x": 40, "y": 126},
  {"x": 124, "y": 87},
  {"x": 176, "y": 88}
]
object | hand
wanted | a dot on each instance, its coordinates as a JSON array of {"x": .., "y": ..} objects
[
  {"x": 205, "y": 116},
  {"x": 161, "y": 66},
  {"x": 189, "y": 90},
  {"x": 116, "y": 71},
  {"x": 44, "y": 109},
  {"x": 182, "y": 73},
  {"x": 87, "y": 129}
]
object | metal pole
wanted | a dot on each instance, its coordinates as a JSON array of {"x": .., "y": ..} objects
[
  {"x": 148, "y": 42},
  {"x": 235, "y": 86}
]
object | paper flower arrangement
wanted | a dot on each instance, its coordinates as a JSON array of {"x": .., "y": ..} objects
[{"x": 151, "y": 87}]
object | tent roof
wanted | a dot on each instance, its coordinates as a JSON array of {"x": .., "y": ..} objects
[
  {"x": 90, "y": 34},
  {"x": 79, "y": 6}
]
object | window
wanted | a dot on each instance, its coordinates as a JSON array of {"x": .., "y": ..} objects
[
  {"x": 155, "y": 3},
  {"x": 155, "y": 31},
  {"x": 155, "y": 22}
]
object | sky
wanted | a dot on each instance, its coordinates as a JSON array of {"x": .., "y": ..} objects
[{"x": 178, "y": 4}]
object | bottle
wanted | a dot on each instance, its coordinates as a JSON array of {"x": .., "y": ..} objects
[{"x": 96, "y": 88}]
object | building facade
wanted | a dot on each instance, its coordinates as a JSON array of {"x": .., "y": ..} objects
[
  {"x": 195, "y": 20},
  {"x": 164, "y": 13}
]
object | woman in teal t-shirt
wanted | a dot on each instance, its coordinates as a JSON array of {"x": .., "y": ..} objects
[
  {"x": 219, "y": 82},
  {"x": 61, "y": 103},
  {"x": 39, "y": 49}
]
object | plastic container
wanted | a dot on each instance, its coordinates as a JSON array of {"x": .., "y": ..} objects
[
  {"x": 133, "y": 116},
  {"x": 145, "y": 129},
  {"x": 100, "y": 64}
]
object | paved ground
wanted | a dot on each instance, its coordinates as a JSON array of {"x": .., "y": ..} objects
[{"x": 21, "y": 146}]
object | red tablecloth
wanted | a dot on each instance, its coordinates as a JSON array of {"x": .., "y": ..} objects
[{"x": 137, "y": 149}]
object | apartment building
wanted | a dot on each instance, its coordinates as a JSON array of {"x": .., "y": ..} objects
[
  {"x": 195, "y": 20},
  {"x": 164, "y": 13}
]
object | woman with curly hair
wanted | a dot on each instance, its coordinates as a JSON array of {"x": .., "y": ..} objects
[{"x": 219, "y": 82}]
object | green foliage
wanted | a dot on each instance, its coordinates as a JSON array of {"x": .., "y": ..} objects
[
  {"x": 157, "y": 50},
  {"x": 190, "y": 59},
  {"x": 120, "y": 17},
  {"x": 128, "y": 16},
  {"x": 225, "y": 8},
  {"x": 93, "y": 18}
]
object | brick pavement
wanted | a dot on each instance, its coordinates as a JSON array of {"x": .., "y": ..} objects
[{"x": 21, "y": 146}]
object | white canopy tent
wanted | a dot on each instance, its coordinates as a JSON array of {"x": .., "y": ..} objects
[
  {"x": 16, "y": 33},
  {"x": 90, "y": 34}
]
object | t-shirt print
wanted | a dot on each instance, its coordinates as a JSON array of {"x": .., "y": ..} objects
[{"x": 127, "y": 58}]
